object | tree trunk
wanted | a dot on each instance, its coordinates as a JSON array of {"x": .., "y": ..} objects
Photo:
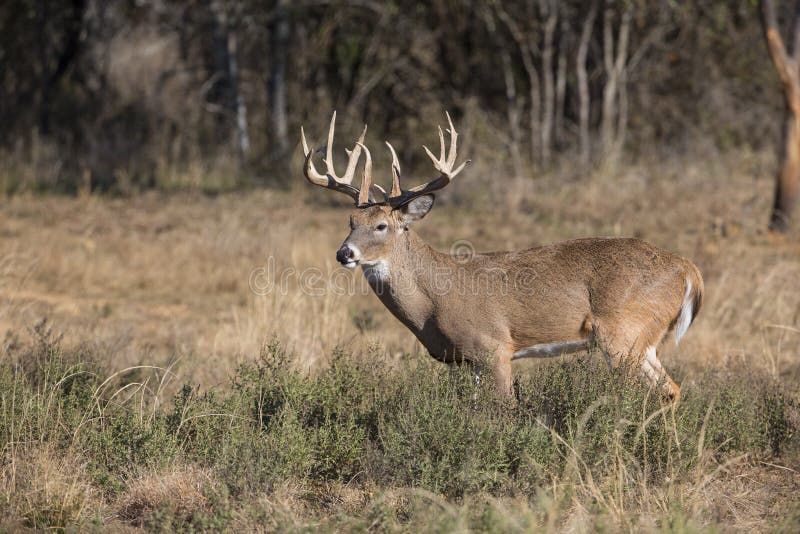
[
  {"x": 220, "y": 90},
  {"x": 787, "y": 66},
  {"x": 42, "y": 14},
  {"x": 561, "y": 86},
  {"x": 512, "y": 104},
  {"x": 610, "y": 87},
  {"x": 535, "y": 110},
  {"x": 583, "y": 85},
  {"x": 526, "y": 46},
  {"x": 786, "y": 189},
  {"x": 622, "y": 113},
  {"x": 548, "y": 95},
  {"x": 512, "y": 110},
  {"x": 615, "y": 57},
  {"x": 621, "y": 67},
  {"x": 276, "y": 86},
  {"x": 227, "y": 87},
  {"x": 242, "y": 136},
  {"x": 67, "y": 54}
]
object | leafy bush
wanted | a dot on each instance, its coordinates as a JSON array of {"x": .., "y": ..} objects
[{"x": 363, "y": 422}]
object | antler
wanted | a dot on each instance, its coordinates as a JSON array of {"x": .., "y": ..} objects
[
  {"x": 330, "y": 180},
  {"x": 444, "y": 164},
  {"x": 365, "y": 194}
]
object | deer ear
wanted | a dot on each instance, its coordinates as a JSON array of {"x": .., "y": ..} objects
[{"x": 416, "y": 208}]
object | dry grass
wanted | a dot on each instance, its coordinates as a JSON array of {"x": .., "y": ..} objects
[
  {"x": 46, "y": 488},
  {"x": 154, "y": 279},
  {"x": 182, "y": 491},
  {"x": 169, "y": 277}
]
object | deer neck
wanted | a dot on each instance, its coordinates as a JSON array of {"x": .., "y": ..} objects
[{"x": 405, "y": 281}]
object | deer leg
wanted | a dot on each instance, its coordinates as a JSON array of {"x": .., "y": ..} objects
[
  {"x": 475, "y": 369},
  {"x": 609, "y": 360},
  {"x": 453, "y": 368},
  {"x": 503, "y": 377},
  {"x": 615, "y": 347},
  {"x": 654, "y": 371}
]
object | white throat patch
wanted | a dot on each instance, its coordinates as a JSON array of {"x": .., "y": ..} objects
[{"x": 376, "y": 271}]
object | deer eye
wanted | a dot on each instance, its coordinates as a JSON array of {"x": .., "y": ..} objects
[{"x": 381, "y": 227}]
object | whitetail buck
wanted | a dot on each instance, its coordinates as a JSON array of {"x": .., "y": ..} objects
[{"x": 621, "y": 295}]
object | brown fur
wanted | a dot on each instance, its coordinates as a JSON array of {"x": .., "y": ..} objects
[{"x": 622, "y": 294}]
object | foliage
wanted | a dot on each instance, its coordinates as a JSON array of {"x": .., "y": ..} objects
[
  {"x": 121, "y": 96},
  {"x": 364, "y": 424}
]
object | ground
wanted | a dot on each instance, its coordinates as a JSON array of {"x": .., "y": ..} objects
[{"x": 201, "y": 284}]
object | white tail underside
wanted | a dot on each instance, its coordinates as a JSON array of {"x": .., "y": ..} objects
[{"x": 685, "y": 315}]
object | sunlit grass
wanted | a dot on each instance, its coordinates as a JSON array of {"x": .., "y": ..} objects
[{"x": 366, "y": 442}]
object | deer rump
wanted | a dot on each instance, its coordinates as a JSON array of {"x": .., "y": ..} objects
[{"x": 604, "y": 289}]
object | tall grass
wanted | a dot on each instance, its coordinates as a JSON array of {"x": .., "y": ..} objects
[
  {"x": 159, "y": 408},
  {"x": 368, "y": 445}
]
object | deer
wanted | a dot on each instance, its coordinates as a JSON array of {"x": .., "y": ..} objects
[{"x": 620, "y": 295}]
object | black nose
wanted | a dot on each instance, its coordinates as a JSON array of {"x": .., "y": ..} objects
[{"x": 344, "y": 254}]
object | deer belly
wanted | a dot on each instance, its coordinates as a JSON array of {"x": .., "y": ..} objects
[
  {"x": 458, "y": 345},
  {"x": 439, "y": 345}
]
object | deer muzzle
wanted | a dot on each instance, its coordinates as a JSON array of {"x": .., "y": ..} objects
[{"x": 348, "y": 256}]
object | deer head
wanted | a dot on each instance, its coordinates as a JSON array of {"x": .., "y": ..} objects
[{"x": 377, "y": 226}]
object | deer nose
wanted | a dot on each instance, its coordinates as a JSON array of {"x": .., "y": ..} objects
[{"x": 344, "y": 254}]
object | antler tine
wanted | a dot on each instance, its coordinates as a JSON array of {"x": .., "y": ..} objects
[
  {"x": 330, "y": 179},
  {"x": 353, "y": 156},
  {"x": 365, "y": 194},
  {"x": 451, "y": 159},
  {"x": 366, "y": 179},
  {"x": 441, "y": 148},
  {"x": 305, "y": 143},
  {"x": 309, "y": 170},
  {"x": 441, "y": 141},
  {"x": 396, "y": 191},
  {"x": 329, "y": 146},
  {"x": 444, "y": 164}
]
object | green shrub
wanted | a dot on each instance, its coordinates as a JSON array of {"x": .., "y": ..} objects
[{"x": 366, "y": 423}]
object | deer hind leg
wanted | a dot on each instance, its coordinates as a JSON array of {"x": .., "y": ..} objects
[
  {"x": 638, "y": 347},
  {"x": 655, "y": 374}
]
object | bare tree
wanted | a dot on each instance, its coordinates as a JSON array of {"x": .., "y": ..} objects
[
  {"x": 65, "y": 55},
  {"x": 549, "y": 9},
  {"x": 615, "y": 57},
  {"x": 786, "y": 63},
  {"x": 583, "y": 84},
  {"x": 242, "y": 135},
  {"x": 526, "y": 46},
  {"x": 279, "y": 32},
  {"x": 567, "y": 77},
  {"x": 512, "y": 101},
  {"x": 227, "y": 70},
  {"x": 561, "y": 83},
  {"x": 513, "y": 110}
]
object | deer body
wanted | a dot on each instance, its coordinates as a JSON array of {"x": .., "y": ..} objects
[{"x": 622, "y": 295}]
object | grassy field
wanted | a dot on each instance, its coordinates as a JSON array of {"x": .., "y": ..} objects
[{"x": 150, "y": 379}]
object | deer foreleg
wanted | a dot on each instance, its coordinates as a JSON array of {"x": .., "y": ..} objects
[{"x": 503, "y": 377}]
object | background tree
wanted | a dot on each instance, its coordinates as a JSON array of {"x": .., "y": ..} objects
[
  {"x": 168, "y": 93},
  {"x": 279, "y": 34},
  {"x": 786, "y": 62}
]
